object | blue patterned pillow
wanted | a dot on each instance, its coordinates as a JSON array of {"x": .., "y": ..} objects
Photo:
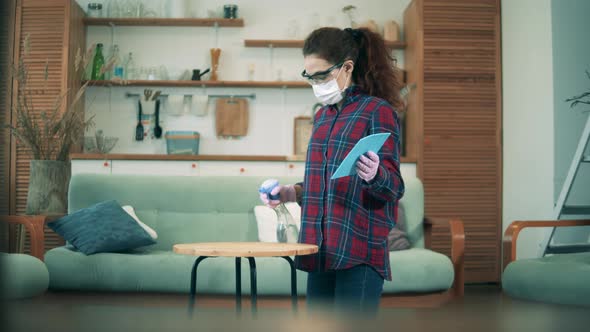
[{"x": 104, "y": 227}]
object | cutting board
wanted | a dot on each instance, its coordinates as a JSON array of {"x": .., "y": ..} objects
[{"x": 231, "y": 117}]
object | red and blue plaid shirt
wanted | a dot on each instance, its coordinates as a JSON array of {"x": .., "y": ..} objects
[{"x": 348, "y": 218}]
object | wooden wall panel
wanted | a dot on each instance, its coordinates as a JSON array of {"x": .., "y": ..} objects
[
  {"x": 50, "y": 27},
  {"x": 7, "y": 16},
  {"x": 413, "y": 59},
  {"x": 460, "y": 153}
]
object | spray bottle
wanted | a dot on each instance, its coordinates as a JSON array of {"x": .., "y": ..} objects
[{"x": 287, "y": 230}]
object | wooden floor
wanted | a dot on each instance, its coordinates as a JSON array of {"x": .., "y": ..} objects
[{"x": 484, "y": 308}]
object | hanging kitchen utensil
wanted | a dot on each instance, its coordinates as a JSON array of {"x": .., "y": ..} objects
[
  {"x": 231, "y": 117},
  {"x": 139, "y": 127},
  {"x": 147, "y": 93},
  {"x": 157, "y": 128}
]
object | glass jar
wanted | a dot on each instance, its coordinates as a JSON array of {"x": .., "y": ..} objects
[
  {"x": 94, "y": 9},
  {"x": 114, "y": 9},
  {"x": 230, "y": 11}
]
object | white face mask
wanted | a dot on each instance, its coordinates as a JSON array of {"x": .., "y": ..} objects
[{"x": 328, "y": 93}]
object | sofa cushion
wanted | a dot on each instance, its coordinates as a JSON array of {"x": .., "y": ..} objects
[
  {"x": 397, "y": 239},
  {"x": 131, "y": 211},
  {"x": 164, "y": 271},
  {"x": 103, "y": 227},
  {"x": 186, "y": 209},
  {"x": 22, "y": 276},
  {"x": 419, "y": 270},
  {"x": 414, "y": 270},
  {"x": 412, "y": 204},
  {"x": 559, "y": 279}
]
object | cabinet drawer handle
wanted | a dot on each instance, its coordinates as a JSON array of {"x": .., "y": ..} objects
[
  {"x": 194, "y": 165},
  {"x": 106, "y": 164},
  {"x": 242, "y": 170},
  {"x": 291, "y": 166}
]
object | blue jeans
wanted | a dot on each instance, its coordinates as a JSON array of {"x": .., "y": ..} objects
[{"x": 356, "y": 290}]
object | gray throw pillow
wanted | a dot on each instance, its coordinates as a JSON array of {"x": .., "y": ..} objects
[
  {"x": 103, "y": 227},
  {"x": 397, "y": 239}
]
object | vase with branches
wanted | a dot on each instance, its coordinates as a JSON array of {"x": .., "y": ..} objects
[{"x": 48, "y": 133}]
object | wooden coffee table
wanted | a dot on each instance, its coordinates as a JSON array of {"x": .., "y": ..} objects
[{"x": 249, "y": 250}]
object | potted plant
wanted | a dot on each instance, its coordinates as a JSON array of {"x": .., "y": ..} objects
[{"x": 49, "y": 134}]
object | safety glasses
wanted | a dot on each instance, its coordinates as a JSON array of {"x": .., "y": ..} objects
[{"x": 320, "y": 76}]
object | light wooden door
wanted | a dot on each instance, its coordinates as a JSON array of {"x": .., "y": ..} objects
[
  {"x": 49, "y": 34},
  {"x": 456, "y": 46}
]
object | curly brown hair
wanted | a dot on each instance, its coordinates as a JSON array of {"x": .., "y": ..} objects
[{"x": 374, "y": 67}]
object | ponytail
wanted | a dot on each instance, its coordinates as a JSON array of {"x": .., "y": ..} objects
[{"x": 374, "y": 67}]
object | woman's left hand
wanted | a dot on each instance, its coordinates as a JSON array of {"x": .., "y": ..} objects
[{"x": 367, "y": 168}]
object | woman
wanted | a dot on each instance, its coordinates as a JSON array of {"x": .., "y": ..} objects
[{"x": 349, "y": 218}]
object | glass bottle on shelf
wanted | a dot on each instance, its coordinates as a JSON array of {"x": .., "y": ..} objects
[
  {"x": 98, "y": 64},
  {"x": 130, "y": 70},
  {"x": 117, "y": 72}
]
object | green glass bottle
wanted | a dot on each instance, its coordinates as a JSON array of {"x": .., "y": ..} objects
[{"x": 97, "y": 64}]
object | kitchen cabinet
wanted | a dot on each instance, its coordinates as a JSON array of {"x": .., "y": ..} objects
[
  {"x": 202, "y": 167},
  {"x": 155, "y": 167},
  {"x": 242, "y": 168},
  {"x": 92, "y": 166}
]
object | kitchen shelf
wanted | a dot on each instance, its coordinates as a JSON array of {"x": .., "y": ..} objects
[
  {"x": 172, "y": 22},
  {"x": 299, "y": 43},
  {"x": 175, "y": 84},
  {"x": 132, "y": 156}
]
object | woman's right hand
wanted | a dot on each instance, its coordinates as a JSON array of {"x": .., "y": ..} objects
[{"x": 286, "y": 194}]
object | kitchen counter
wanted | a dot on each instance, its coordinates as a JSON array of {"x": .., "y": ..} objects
[
  {"x": 130, "y": 156},
  {"x": 127, "y": 156}
]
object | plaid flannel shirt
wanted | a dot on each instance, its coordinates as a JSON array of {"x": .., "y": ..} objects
[{"x": 348, "y": 218}]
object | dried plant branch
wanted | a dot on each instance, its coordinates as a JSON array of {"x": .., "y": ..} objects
[
  {"x": 49, "y": 133},
  {"x": 583, "y": 98}
]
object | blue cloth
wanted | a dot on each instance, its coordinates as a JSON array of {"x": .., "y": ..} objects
[{"x": 103, "y": 227}]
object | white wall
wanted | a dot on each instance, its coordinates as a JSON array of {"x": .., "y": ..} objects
[
  {"x": 571, "y": 58},
  {"x": 271, "y": 114},
  {"x": 527, "y": 116}
]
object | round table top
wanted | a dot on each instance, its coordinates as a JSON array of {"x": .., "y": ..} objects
[{"x": 245, "y": 249}]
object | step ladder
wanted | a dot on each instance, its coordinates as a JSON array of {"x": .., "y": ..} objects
[{"x": 561, "y": 207}]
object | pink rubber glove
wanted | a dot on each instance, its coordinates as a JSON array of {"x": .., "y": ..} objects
[
  {"x": 286, "y": 193},
  {"x": 367, "y": 168}
]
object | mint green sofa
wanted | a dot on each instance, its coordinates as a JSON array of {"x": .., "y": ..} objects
[
  {"x": 559, "y": 279},
  {"x": 210, "y": 209},
  {"x": 22, "y": 276}
]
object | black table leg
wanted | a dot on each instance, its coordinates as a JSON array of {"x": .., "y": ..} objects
[
  {"x": 191, "y": 303},
  {"x": 253, "y": 290},
  {"x": 238, "y": 285},
  {"x": 293, "y": 282}
]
